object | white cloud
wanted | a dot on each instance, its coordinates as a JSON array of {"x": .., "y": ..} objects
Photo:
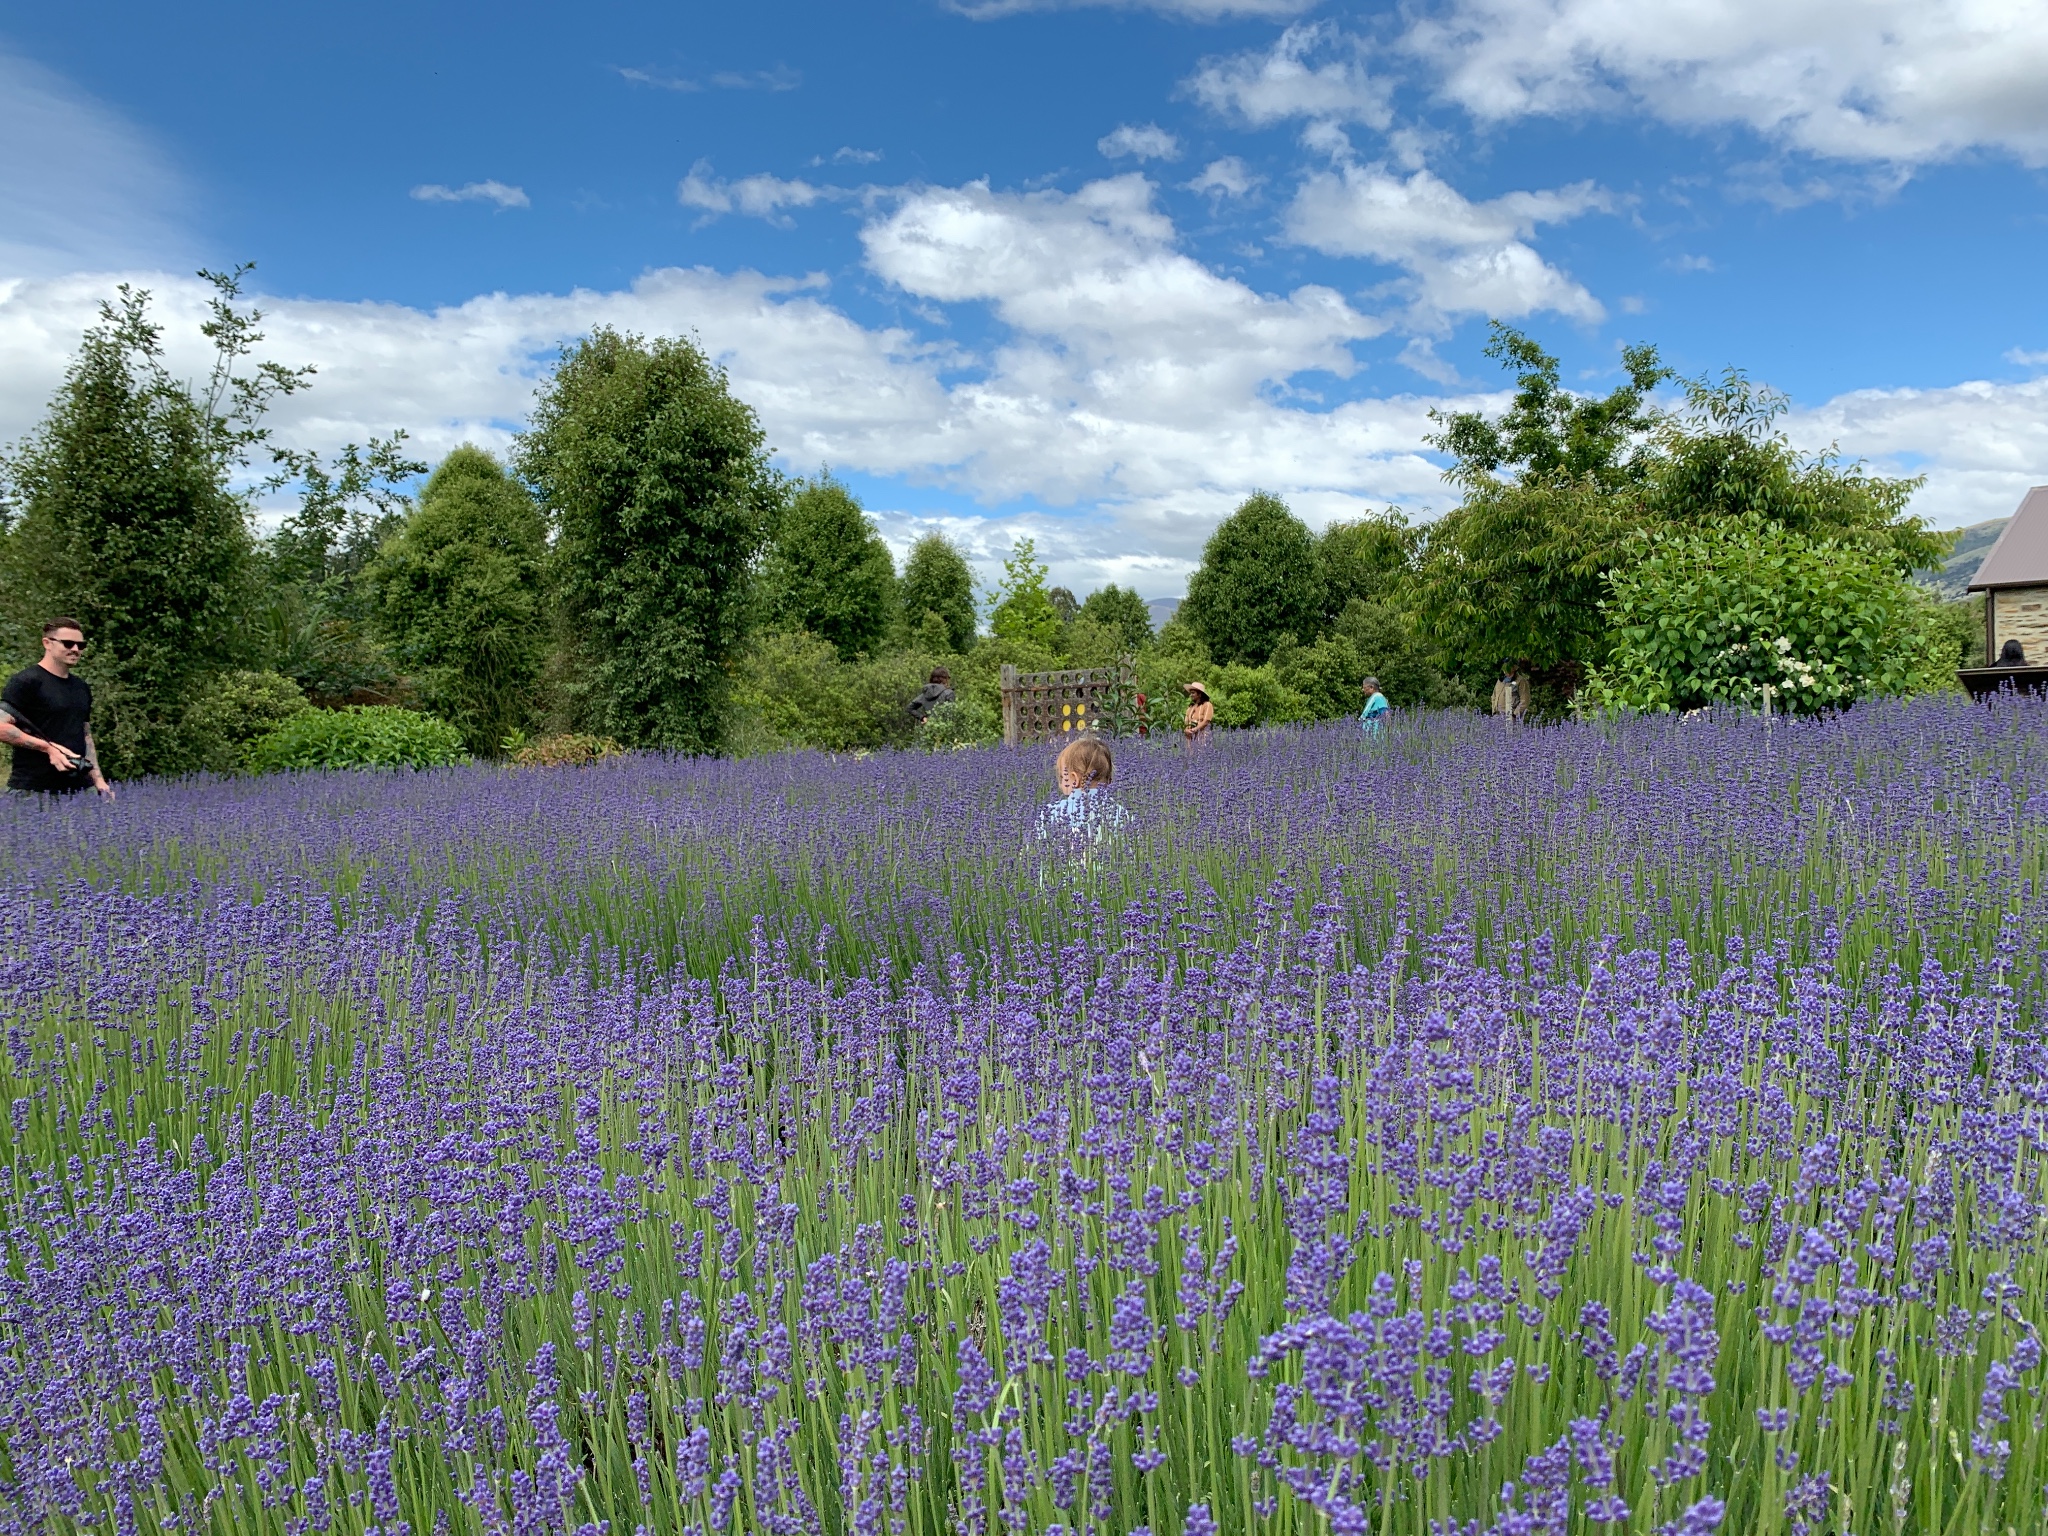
[
  {"x": 1146, "y": 141},
  {"x": 1131, "y": 381},
  {"x": 1465, "y": 257},
  {"x": 1129, "y": 362},
  {"x": 846, "y": 154},
  {"x": 829, "y": 388},
  {"x": 759, "y": 197},
  {"x": 1137, "y": 388},
  {"x": 1980, "y": 444},
  {"x": 1420, "y": 356},
  {"x": 1228, "y": 177},
  {"x": 79, "y": 186},
  {"x": 473, "y": 192},
  {"x": 2025, "y": 358},
  {"x": 1314, "y": 71},
  {"x": 1186, "y": 10},
  {"x": 661, "y": 82},
  {"x": 1906, "y": 81},
  {"x": 780, "y": 78}
]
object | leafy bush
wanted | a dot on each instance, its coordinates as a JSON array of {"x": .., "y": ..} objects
[
  {"x": 1717, "y": 614},
  {"x": 566, "y": 749},
  {"x": 966, "y": 722},
  {"x": 1254, "y": 696},
  {"x": 795, "y": 690},
  {"x": 1959, "y": 628},
  {"x": 366, "y": 736},
  {"x": 233, "y": 712},
  {"x": 1370, "y": 639}
]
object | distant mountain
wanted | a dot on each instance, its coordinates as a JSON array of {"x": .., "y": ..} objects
[
  {"x": 1972, "y": 545},
  {"x": 1162, "y": 609}
]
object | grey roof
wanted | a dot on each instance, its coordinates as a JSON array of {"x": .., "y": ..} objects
[{"x": 2020, "y": 557}]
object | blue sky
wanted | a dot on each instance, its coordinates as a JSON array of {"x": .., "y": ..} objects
[{"x": 1088, "y": 272}]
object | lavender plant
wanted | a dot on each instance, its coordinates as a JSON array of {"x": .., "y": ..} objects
[{"x": 1633, "y": 1127}]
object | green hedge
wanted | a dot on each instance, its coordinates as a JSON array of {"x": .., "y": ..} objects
[{"x": 365, "y": 736}]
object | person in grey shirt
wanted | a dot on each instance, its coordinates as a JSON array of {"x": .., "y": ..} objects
[{"x": 939, "y": 690}]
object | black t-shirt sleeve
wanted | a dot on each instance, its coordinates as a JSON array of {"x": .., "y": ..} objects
[{"x": 20, "y": 698}]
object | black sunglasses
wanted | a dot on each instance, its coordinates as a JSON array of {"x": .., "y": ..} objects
[{"x": 69, "y": 645}]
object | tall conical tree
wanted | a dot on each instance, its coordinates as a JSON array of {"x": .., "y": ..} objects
[
  {"x": 658, "y": 483},
  {"x": 1122, "y": 611},
  {"x": 1259, "y": 579},
  {"x": 937, "y": 580},
  {"x": 459, "y": 597},
  {"x": 829, "y": 572}
]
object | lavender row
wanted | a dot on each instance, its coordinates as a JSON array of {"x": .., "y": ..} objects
[
  {"x": 319, "y": 1227},
  {"x": 1899, "y": 824}
]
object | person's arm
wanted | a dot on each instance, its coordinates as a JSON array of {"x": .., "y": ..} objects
[
  {"x": 15, "y": 733},
  {"x": 92, "y": 756}
]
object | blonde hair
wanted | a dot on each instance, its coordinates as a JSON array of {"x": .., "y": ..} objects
[{"x": 1088, "y": 760}]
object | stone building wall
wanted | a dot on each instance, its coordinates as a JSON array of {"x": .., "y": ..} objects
[{"x": 2020, "y": 613}]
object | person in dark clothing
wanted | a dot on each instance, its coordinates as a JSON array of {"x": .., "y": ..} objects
[
  {"x": 46, "y": 716},
  {"x": 2012, "y": 655},
  {"x": 934, "y": 693}
]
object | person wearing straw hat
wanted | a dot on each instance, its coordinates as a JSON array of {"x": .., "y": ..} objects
[
  {"x": 1373, "y": 718},
  {"x": 1200, "y": 718}
]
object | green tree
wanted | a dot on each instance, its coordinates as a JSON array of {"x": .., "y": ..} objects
[
  {"x": 119, "y": 510},
  {"x": 315, "y": 620},
  {"x": 1367, "y": 560},
  {"x": 1549, "y": 434},
  {"x": 459, "y": 598},
  {"x": 1122, "y": 611},
  {"x": 658, "y": 485},
  {"x": 1089, "y": 642},
  {"x": 1715, "y": 614},
  {"x": 1514, "y": 576},
  {"x": 937, "y": 580},
  {"x": 828, "y": 571},
  {"x": 1960, "y": 623},
  {"x": 1259, "y": 579},
  {"x": 1023, "y": 610},
  {"x": 1722, "y": 457},
  {"x": 1562, "y": 490}
]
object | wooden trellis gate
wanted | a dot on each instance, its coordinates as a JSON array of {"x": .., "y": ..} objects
[{"x": 1045, "y": 706}]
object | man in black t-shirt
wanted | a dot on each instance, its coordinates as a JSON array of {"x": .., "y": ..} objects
[{"x": 46, "y": 716}]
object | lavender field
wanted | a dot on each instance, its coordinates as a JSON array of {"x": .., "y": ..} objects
[{"x": 1634, "y": 1129}]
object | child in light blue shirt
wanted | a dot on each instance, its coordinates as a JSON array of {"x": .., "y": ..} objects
[{"x": 1084, "y": 816}]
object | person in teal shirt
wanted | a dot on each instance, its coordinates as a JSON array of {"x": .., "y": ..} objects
[{"x": 1373, "y": 718}]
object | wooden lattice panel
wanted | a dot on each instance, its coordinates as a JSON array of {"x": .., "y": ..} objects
[{"x": 1044, "y": 706}]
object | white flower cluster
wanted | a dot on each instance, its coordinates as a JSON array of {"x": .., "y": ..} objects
[{"x": 1776, "y": 656}]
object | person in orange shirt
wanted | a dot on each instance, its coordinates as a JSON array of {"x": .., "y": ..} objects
[{"x": 1200, "y": 718}]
